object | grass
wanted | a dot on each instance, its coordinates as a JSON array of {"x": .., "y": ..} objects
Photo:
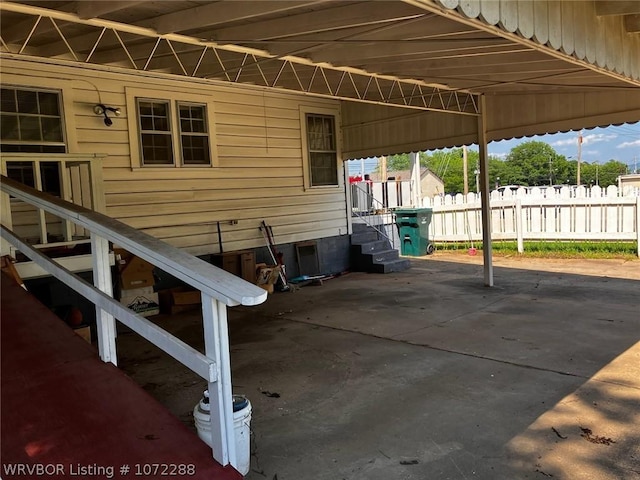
[{"x": 554, "y": 249}]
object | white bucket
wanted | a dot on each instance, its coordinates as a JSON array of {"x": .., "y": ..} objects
[{"x": 241, "y": 426}]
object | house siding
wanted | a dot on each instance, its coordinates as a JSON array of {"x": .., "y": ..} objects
[{"x": 257, "y": 173}]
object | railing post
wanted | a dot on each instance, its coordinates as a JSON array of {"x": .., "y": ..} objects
[
  {"x": 42, "y": 215},
  {"x": 216, "y": 347},
  {"x": 65, "y": 191},
  {"x": 105, "y": 323},
  {"x": 5, "y": 217}
]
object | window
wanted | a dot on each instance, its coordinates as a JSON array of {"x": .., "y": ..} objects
[
  {"x": 194, "y": 134},
  {"x": 172, "y": 132},
  {"x": 322, "y": 151},
  {"x": 155, "y": 132},
  {"x": 31, "y": 121}
]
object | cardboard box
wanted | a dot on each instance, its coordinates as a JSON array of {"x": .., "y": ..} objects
[
  {"x": 179, "y": 299},
  {"x": 137, "y": 273},
  {"x": 189, "y": 297},
  {"x": 267, "y": 276},
  {"x": 84, "y": 332},
  {"x": 134, "y": 271},
  {"x": 241, "y": 263},
  {"x": 143, "y": 301}
]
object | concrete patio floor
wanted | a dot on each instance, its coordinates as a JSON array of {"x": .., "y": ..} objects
[{"x": 429, "y": 375}]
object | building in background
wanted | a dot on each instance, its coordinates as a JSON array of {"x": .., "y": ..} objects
[
  {"x": 430, "y": 183},
  {"x": 629, "y": 184}
]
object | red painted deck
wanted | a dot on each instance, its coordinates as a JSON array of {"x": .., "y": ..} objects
[{"x": 64, "y": 409}]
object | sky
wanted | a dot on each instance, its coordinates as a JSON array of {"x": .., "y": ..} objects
[{"x": 600, "y": 145}]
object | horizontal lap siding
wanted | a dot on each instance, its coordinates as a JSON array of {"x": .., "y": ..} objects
[{"x": 258, "y": 173}]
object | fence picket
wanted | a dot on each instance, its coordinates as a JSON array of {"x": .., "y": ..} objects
[{"x": 543, "y": 213}]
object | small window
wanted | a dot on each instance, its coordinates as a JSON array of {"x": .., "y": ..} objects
[
  {"x": 31, "y": 121},
  {"x": 194, "y": 134},
  {"x": 155, "y": 132},
  {"x": 323, "y": 157},
  {"x": 23, "y": 172}
]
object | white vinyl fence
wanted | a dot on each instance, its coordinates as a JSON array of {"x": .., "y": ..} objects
[{"x": 539, "y": 214}]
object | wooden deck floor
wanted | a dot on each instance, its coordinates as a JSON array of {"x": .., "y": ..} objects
[{"x": 64, "y": 409}]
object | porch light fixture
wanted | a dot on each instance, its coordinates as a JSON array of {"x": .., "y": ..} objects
[{"x": 101, "y": 109}]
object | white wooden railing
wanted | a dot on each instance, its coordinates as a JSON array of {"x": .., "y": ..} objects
[
  {"x": 218, "y": 288},
  {"x": 566, "y": 214},
  {"x": 79, "y": 181}
]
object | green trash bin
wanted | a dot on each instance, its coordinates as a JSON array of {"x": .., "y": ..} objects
[{"x": 413, "y": 230}]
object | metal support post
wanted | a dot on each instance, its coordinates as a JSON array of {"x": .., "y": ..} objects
[{"x": 487, "y": 252}]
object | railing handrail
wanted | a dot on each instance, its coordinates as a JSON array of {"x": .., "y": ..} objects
[
  {"x": 187, "y": 355},
  {"x": 49, "y": 157},
  {"x": 365, "y": 217},
  {"x": 218, "y": 288},
  {"x": 209, "y": 279}
]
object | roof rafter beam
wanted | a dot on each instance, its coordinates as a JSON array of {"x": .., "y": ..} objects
[
  {"x": 95, "y": 8},
  {"x": 214, "y": 14},
  {"x": 84, "y": 10},
  {"x": 344, "y": 17},
  {"x": 471, "y": 64},
  {"x": 360, "y": 53},
  {"x": 205, "y": 15},
  {"x": 400, "y": 32},
  {"x": 617, "y": 7},
  {"x": 430, "y": 96},
  {"x": 425, "y": 27}
]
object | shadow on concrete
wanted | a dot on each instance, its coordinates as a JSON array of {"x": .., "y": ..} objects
[{"x": 591, "y": 433}]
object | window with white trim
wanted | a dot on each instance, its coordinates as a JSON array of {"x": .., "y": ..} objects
[
  {"x": 156, "y": 141},
  {"x": 322, "y": 150},
  {"x": 173, "y": 133},
  {"x": 31, "y": 121},
  {"x": 194, "y": 134}
]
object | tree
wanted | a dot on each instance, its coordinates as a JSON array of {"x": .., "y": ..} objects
[
  {"x": 603, "y": 175},
  {"x": 535, "y": 163},
  {"x": 448, "y": 165},
  {"x": 402, "y": 161},
  {"x": 531, "y": 163}
]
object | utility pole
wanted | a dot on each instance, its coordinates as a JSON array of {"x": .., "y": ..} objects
[
  {"x": 579, "y": 157},
  {"x": 465, "y": 173},
  {"x": 383, "y": 168}
]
